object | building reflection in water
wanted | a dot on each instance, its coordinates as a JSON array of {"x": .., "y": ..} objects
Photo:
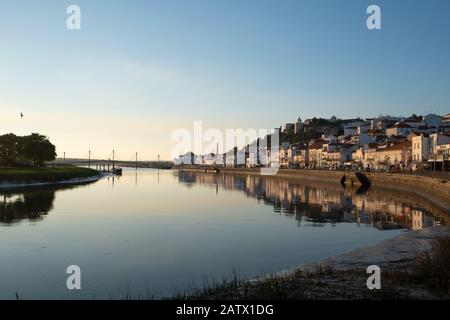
[{"x": 319, "y": 203}]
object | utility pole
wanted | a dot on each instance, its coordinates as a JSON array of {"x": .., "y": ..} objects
[
  {"x": 89, "y": 161},
  {"x": 434, "y": 145},
  {"x": 158, "y": 161},
  {"x": 64, "y": 158},
  {"x": 136, "y": 160},
  {"x": 113, "y": 160}
]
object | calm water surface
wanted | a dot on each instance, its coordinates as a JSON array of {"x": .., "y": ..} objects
[{"x": 160, "y": 232}]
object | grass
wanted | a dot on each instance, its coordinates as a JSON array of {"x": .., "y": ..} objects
[
  {"x": 426, "y": 276},
  {"x": 434, "y": 266},
  {"x": 46, "y": 174}
]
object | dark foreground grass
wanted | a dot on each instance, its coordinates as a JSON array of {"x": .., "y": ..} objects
[
  {"x": 434, "y": 266},
  {"x": 426, "y": 276},
  {"x": 31, "y": 174}
]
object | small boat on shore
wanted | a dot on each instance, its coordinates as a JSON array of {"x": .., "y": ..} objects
[
  {"x": 117, "y": 171},
  {"x": 215, "y": 170}
]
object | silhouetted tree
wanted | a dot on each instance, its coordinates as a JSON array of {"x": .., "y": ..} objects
[
  {"x": 35, "y": 149},
  {"x": 9, "y": 145}
]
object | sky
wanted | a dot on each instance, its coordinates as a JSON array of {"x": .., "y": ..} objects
[{"x": 138, "y": 70}]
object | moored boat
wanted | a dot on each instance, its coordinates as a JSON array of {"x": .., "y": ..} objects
[{"x": 117, "y": 171}]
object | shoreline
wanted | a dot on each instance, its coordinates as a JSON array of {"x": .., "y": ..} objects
[
  {"x": 17, "y": 177},
  {"x": 402, "y": 247},
  {"x": 404, "y": 272},
  {"x": 331, "y": 179},
  {"x": 8, "y": 185},
  {"x": 396, "y": 254}
]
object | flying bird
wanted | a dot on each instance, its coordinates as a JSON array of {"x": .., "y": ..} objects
[{"x": 21, "y": 115}]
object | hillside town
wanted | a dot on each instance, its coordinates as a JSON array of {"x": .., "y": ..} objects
[{"x": 384, "y": 143}]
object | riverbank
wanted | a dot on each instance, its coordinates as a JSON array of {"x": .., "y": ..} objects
[
  {"x": 344, "y": 276},
  {"x": 11, "y": 177},
  {"x": 413, "y": 265},
  {"x": 424, "y": 189}
]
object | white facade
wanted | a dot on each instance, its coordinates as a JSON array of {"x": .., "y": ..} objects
[
  {"x": 437, "y": 140},
  {"x": 420, "y": 148},
  {"x": 399, "y": 129}
]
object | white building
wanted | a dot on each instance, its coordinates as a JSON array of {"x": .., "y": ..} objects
[
  {"x": 437, "y": 139},
  {"x": 420, "y": 150},
  {"x": 446, "y": 119},
  {"x": 399, "y": 129},
  {"x": 185, "y": 159}
]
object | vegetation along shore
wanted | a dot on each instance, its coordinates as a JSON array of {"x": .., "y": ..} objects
[
  {"x": 15, "y": 175},
  {"x": 23, "y": 159},
  {"x": 413, "y": 265}
]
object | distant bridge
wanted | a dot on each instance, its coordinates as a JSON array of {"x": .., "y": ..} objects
[{"x": 107, "y": 164}]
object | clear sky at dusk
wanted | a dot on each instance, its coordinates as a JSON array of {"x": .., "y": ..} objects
[{"x": 137, "y": 70}]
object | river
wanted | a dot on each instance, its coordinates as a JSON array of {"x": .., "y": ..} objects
[{"x": 153, "y": 233}]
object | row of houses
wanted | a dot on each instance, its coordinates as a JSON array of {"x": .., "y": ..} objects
[
  {"x": 416, "y": 151},
  {"x": 384, "y": 143}
]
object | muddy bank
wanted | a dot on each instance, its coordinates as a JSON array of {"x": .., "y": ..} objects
[
  {"x": 406, "y": 246},
  {"x": 404, "y": 275},
  {"x": 344, "y": 275}
]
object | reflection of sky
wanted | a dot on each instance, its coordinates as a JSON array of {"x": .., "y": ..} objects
[
  {"x": 136, "y": 71},
  {"x": 151, "y": 232}
]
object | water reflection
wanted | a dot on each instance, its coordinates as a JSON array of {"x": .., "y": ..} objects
[
  {"x": 32, "y": 204},
  {"x": 318, "y": 203},
  {"x": 163, "y": 230}
]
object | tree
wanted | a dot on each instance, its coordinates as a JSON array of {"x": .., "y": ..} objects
[
  {"x": 37, "y": 148},
  {"x": 9, "y": 145}
]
